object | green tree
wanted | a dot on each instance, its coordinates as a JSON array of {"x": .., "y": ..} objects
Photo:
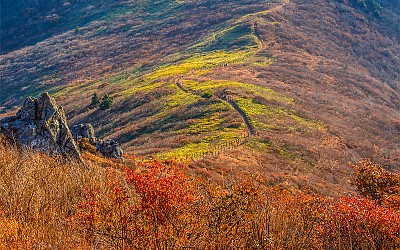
[
  {"x": 95, "y": 100},
  {"x": 106, "y": 102},
  {"x": 369, "y": 6}
]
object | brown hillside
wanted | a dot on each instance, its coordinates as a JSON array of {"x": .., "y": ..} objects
[{"x": 317, "y": 80}]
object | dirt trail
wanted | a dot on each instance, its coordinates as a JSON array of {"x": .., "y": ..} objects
[
  {"x": 179, "y": 85},
  {"x": 259, "y": 41},
  {"x": 224, "y": 97},
  {"x": 253, "y": 19},
  {"x": 264, "y": 12},
  {"x": 246, "y": 120}
]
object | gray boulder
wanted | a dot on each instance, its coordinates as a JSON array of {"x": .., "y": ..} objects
[
  {"x": 109, "y": 148},
  {"x": 81, "y": 131},
  {"x": 41, "y": 125}
]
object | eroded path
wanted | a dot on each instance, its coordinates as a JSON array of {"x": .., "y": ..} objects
[
  {"x": 223, "y": 96},
  {"x": 228, "y": 99}
]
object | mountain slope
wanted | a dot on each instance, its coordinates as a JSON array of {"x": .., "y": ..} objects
[{"x": 294, "y": 89}]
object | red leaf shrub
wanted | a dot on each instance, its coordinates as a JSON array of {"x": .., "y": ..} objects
[
  {"x": 374, "y": 182},
  {"x": 359, "y": 223},
  {"x": 163, "y": 189}
]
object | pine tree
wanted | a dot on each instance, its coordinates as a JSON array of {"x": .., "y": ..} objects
[
  {"x": 106, "y": 102},
  {"x": 95, "y": 100}
]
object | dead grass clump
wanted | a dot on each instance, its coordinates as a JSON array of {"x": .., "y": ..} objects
[{"x": 38, "y": 194}]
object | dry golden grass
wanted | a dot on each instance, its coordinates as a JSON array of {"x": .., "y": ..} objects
[
  {"x": 340, "y": 69},
  {"x": 48, "y": 203},
  {"x": 38, "y": 194}
]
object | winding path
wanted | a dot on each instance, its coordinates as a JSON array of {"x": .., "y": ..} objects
[
  {"x": 264, "y": 12},
  {"x": 240, "y": 111},
  {"x": 226, "y": 98},
  {"x": 253, "y": 18}
]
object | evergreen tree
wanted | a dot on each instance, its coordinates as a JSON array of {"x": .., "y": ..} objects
[
  {"x": 106, "y": 102},
  {"x": 95, "y": 100}
]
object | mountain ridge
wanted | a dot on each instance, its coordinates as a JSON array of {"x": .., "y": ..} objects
[{"x": 318, "y": 81}]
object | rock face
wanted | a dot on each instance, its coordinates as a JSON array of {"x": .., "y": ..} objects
[
  {"x": 81, "y": 131},
  {"x": 109, "y": 148},
  {"x": 40, "y": 124}
]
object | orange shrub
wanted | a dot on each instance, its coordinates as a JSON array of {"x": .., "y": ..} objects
[
  {"x": 106, "y": 216},
  {"x": 359, "y": 223},
  {"x": 374, "y": 182},
  {"x": 165, "y": 197},
  {"x": 49, "y": 203},
  {"x": 145, "y": 208},
  {"x": 163, "y": 189}
]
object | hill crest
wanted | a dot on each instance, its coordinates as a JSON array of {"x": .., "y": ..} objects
[{"x": 316, "y": 80}]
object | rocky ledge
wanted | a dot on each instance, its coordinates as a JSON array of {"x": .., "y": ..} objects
[
  {"x": 108, "y": 148},
  {"x": 41, "y": 125}
]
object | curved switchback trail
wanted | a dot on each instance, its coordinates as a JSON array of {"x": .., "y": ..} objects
[
  {"x": 257, "y": 36},
  {"x": 259, "y": 14},
  {"x": 240, "y": 111},
  {"x": 264, "y": 12},
  {"x": 224, "y": 97},
  {"x": 179, "y": 85}
]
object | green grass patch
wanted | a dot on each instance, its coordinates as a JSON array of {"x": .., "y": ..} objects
[
  {"x": 179, "y": 98},
  {"x": 211, "y": 123},
  {"x": 172, "y": 102},
  {"x": 200, "y": 62},
  {"x": 270, "y": 117},
  {"x": 205, "y": 125},
  {"x": 258, "y": 144},
  {"x": 261, "y": 61},
  {"x": 143, "y": 87},
  {"x": 237, "y": 37},
  {"x": 205, "y": 146},
  {"x": 211, "y": 86}
]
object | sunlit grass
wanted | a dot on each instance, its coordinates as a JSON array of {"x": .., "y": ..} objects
[
  {"x": 143, "y": 87},
  {"x": 258, "y": 144},
  {"x": 213, "y": 85},
  {"x": 205, "y": 146},
  {"x": 179, "y": 98},
  {"x": 271, "y": 117},
  {"x": 199, "y": 62},
  {"x": 172, "y": 102},
  {"x": 205, "y": 125}
]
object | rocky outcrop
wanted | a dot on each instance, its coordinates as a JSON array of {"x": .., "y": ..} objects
[
  {"x": 81, "y": 131},
  {"x": 41, "y": 125},
  {"x": 108, "y": 148}
]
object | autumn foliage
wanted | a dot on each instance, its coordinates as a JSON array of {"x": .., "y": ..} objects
[
  {"x": 163, "y": 189},
  {"x": 359, "y": 223},
  {"x": 374, "y": 182},
  {"x": 144, "y": 204}
]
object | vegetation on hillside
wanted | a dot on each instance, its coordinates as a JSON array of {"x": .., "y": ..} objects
[
  {"x": 292, "y": 88},
  {"x": 106, "y": 102},
  {"x": 263, "y": 100},
  {"x": 41, "y": 20},
  {"x": 371, "y": 6},
  {"x": 49, "y": 203}
]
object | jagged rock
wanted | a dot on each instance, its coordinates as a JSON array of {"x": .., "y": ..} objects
[
  {"x": 109, "y": 148},
  {"x": 40, "y": 124},
  {"x": 81, "y": 131}
]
